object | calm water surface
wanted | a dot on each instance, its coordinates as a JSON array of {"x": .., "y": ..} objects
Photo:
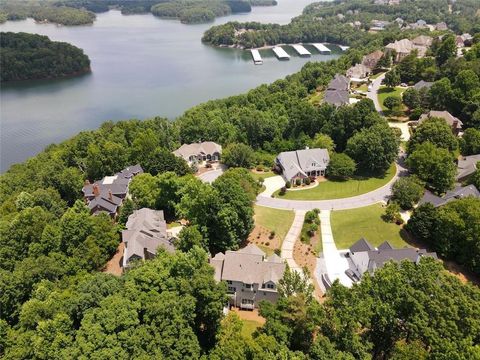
[{"x": 142, "y": 66}]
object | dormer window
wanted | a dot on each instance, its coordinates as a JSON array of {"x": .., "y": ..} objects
[
  {"x": 248, "y": 286},
  {"x": 270, "y": 286}
]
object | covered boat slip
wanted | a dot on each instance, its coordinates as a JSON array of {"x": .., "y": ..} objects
[
  {"x": 322, "y": 48},
  {"x": 301, "y": 50},
  {"x": 280, "y": 53},
  {"x": 257, "y": 59}
]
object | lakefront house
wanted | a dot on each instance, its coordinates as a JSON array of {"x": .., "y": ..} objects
[
  {"x": 107, "y": 195},
  {"x": 250, "y": 275},
  {"x": 198, "y": 152}
]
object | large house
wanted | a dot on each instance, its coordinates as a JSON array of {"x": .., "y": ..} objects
[
  {"x": 421, "y": 43},
  {"x": 301, "y": 164},
  {"x": 401, "y": 49},
  {"x": 146, "y": 232},
  {"x": 337, "y": 92},
  {"x": 363, "y": 257},
  {"x": 455, "y": 123},
  {"x": 460, "y": 192},
  {"x": 198, "y": 152},
  {"x": 107, "y": 195},
  {"x": 358, "y": 73},
  {"x": 250, "y": 276},
  {"x": 467, "y": 165}
]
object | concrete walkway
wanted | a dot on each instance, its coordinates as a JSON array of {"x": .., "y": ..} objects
[
  {"x": 289, "y": 241},
  {"x": 334, "y": 262},
  {"x": 370, "y": 198}
]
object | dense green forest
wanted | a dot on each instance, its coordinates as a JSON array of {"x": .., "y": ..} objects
[
  {"x": 55, "y": 304},
  {"x": 80, "y": 12},
  {"x": 332, "y": 22},
  {"x": 29, "y": 56}
]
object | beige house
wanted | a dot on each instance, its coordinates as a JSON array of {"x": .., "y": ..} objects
[
  {"x": 371, "y": 60},
  {"x": 421, "y": 43},
  {"x": 401, "y": 48},
  {"x": 454, "y": 122},
  {"x": 250, "y": 275},
  {"x": 358, "y": 73},
  {"x": 198, "y": 152}
]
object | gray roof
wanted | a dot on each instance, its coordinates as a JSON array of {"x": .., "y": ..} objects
[
  {"x": 361, "y": 245},
  {"x": 302, "y": 161},
  {"x": 247, "y": 265},
  {"x": 339, "y": 82},
  {"x": 449, "y": 118},
  {"x": 378, "y": 258},
  {"x": 102, "y": 203},
  {"x": 336, "y": 97},
  {"x": 467, "y": 165},
  {"x": 423, "y": 84},
  {"x": 385, "y": 246},
  {"x": 403, "y": 46},
  {"x": 459, "y": 192},
  {"x": 146, "y": 232}
]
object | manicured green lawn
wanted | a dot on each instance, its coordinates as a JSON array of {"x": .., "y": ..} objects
[
  {"x": 348, "y": 226},
  {"x": 264, "y": 174},
  {"x": 373, "y": 77},
  {"x": 339, "y": 189},
  {"x": 249, "y": 326},
  {"x": 385, "y": 92},
  {"x": 274, "y": 219},
  {"x": 363, "y": 87}
]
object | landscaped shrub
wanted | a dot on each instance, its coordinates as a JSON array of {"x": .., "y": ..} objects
[
  {"x": 260, "y": 168},
  {"x": 307, "y": 181},
  {"x": 392, "y": 213},
  {"x": 311, "y": 217},
  {"x": 415, "y": 114},
  {"x": 288, "y": 184},
  {"x": 298, "y": 182},
  {"x": 312, "y": 228},
  {"x": 283, "y": 190},
  {"x": 272, "y": 234},
  {"x": 267, "y": 243}
]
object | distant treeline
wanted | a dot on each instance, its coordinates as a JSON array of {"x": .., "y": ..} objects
[
  {"x": 333, "y": 22},
  {"x": 80, "y": 12},
  {"x": 28, "y": 56}
]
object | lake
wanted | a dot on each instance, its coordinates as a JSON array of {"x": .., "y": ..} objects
[{"x": 142, "y": 66}]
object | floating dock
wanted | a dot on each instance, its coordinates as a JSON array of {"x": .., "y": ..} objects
[
  {"x": 322, "y": 48},
  {"x": 301, "y": 50},
  {"x": 280, "y": 53},
  {"x": 257, "y": 59}
]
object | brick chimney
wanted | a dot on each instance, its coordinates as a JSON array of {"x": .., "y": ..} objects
[
  {"x": 87, "y": 182},
  {"x": 96, "y": 190},
  {"x": 110, "y": 196}
]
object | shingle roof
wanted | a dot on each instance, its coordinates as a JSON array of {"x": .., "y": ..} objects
[
  {"x": 459, "y": 192},
  {"x": 372, "y": 59},
  {"x": 195, "y": 149},
  {"x": 339, "y": 82},
  {"x": 378, "y": 258},
  {"x": 336, "y": 97},
  {"x": 449, "y": 118},
  {"x": 385, "y": 246},
  {"x": 423, "y": 84},
  {"x": 102, "y": 203},
  {"x": 403, "y": 46},
  {"x": 359, "y": 71},
  {"x": 467, "y": 165},
  {"x": 247, "y": 266},
  {"x": 303, "y": 161},
  {"x": 361, "y": 245},
  {"x": 422, "y": 40},
  {"x": 146, "y": 231}
]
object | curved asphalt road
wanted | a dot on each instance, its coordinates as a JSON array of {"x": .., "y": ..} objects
[{"x": 370, "y": 198}]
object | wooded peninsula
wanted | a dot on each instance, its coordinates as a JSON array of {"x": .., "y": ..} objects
[{"x": 31, "y": 57}]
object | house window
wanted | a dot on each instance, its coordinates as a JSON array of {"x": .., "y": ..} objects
[
  {"x": 247, "y": 302},
  {"x": 229, "y": 282},
  {"x": 270, "y": 286},
  {"x": 248, "y": 286},
  {"x": 231, "y": 289}
]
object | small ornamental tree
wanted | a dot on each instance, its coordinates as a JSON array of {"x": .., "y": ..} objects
[
  {"x": 341, "y": 166},
  {"x": 392, "y": 102},
  {"x": 407, "y": 191},
  {"x": 392, "y": 79}
]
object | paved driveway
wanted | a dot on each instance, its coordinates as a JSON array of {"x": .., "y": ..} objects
[
  {"x": 370, "y": 198},
  {"x": 373, "y": 92},
  {"x": 272, "y": 184},
  {"x": 335, "y": 263},
  {"x": 212, "y": 175}
]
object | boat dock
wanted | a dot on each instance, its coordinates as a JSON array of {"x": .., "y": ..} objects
[
  {"x": 257, "y": 59},
  {"x": 280, "y": 53},
  {"x": 322, "y": 48},
  {"x": 344, "y": 48},
  {"x": 301, "y": 50}
]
